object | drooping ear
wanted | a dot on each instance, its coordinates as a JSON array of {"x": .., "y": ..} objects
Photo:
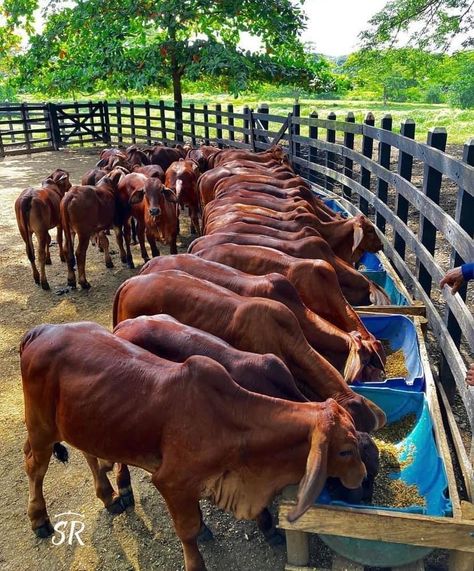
[
  {"x": 102, "y": 163},
  {"x": 137, "y": 196},
  {"x": 358, "y": 235},
  {"x": 169, "y": 195},
  {"x": 115, "y": 176},
  {"x": 316, "y": 472}
]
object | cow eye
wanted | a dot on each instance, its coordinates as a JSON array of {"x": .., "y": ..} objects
[{"x": 345, "y": 453}]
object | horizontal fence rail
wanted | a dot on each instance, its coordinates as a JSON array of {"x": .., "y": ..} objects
[{"x": 420, "y": 198}]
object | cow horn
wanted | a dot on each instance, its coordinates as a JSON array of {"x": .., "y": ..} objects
[{"x": 315, "y": 475}]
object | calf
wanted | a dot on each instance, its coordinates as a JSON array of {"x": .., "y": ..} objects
[
  {"x": 136, "y": 156},
  {"x": 240, "y": 321},
  {"x": 182, "y": 177},
  {"x": 151, "y": 171},
  {"x": 189, "y": 424},
  {"x": 357, "y": 289},
  {"x": 164, "y": 156},
  {"x": 350, "y": 352},
  {"x": 86, "y": 211},
  {"x": 37, "y": 210},
  {"x": 154, "y": 208},
  {"x": 202, "y": 155}
]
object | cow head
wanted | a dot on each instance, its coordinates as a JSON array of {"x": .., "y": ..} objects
[
  {"x": 334, "y": 453},
  {"x": 367, "y": 415},
  {"x": 153, "y": 192},
  {"x": 60, "y": 178},
  {"x": 365, "y": 237}
]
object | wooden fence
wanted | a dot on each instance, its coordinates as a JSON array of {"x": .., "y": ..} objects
[{"x": 421, "y": 199}]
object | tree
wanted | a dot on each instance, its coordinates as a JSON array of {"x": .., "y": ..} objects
[
  {"x": 430, "y": 23},
  {"x": 131, "y": 44}
]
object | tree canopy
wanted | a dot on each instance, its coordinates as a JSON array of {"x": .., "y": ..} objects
[
  {"x": 132, "y": 44},
  {"x": 431, "y": 24}
]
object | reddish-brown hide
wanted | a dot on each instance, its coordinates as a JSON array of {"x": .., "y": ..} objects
[{"x": 182, "y": 177}]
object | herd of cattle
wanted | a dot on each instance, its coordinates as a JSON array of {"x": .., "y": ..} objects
[{"x": 228, "y": 373}]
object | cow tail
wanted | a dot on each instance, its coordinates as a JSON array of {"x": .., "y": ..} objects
[
  {"x": 66, "y": 224},
  {"x": 24, "y": 225},
  {"x": 60, "y": 452}
]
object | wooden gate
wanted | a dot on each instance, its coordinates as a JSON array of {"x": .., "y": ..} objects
[{"x": 81, "y": 123}]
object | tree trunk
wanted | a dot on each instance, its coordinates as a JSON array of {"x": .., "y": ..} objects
[
  {"x": 178, "y": 104},
  {"x": 385, "y": 95}
]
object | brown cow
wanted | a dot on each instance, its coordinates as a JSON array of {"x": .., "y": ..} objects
[
  {"x": 113, "y": 400},
  {"x": 352, "y": 353},
  {"x": 86, "y": 211},
  {"x": 240, "y": 321},
  {"x": 273, "y": 153},
  {"x": 244, "y": 228},
  {"x": 182, "y": 177},
  {"x": 164, "y": 156},
  {"x": 37, "y": 211},
  {"x": 151, "y": 171},
  {"x": 136, "y": 156},
  {"x": 357, "y": 289},
  {"x": 201, "y": 156},
  {"x": 154, "y": 207}
]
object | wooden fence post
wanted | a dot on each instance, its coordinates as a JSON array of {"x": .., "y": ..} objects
[
  {"x": 219, "y": 129},
  {"x": 11, "y": 127},
  {"x": 313, "y": 152},
  {"x": 296, "y": 130},
  {"x": 405, "y": 167},
  {"x": 91, "y": 112},
  {"x": 465, "y": 218},
  {"x": 2, "y": 148},
  {"x": 367, "y": 149},
  {"x": 118, "y": 105},
  {"x": 264, "y": 110},
  {"x": 206, "y": 125},
  {"x": 330, "y": 156},
  {"x": 81, "y": 136},
  {"x": 384, "y": 161},
  {"x": 164, "y": 134},
  {"x": 132, "y": 122},
  {"x": 192, "y": 119},
  {"x": 252, "y": 130},
  {"x": 246, "y": 124},
  {"x": 431, "y": 187},
  {"x": 54, "y": 123},
  {"x": 230, "y": 121},
  {"x": 178, "y": 123},
  {"x": 24, "y": 117},
  {"x": 106, "y": 122},
  {"x": 348, "y": 163},
  {"x": 148, "y": 122}
]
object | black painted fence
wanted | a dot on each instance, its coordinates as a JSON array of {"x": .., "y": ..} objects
[{"x": 421, "y": 199}]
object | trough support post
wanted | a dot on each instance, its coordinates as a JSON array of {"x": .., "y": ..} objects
[
  {"x": 330, "y": 156},
  {"x": 313, "y": 151},
  {"x": 246, "y": 124},
  {"x": 348, "y": 163},
  {"x": 431, "y": 188},
  {"x": 230, "y": 121},
  {"x": 219, "y": 122},
  {"x": 367, "y": 149},
  {"x": 54, "y": 123},
  {"x": 295, "y": 127},
  {"x": 206, "y": 124},
  {"x": 384, "y": 161},
  {"x": 405, "y": 167},
  {"x": 164, "y": 134},
  {"x": 465, "y": 218},
  {"x": 297, "y": 548}
]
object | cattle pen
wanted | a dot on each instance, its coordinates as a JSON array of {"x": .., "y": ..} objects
[{"x": 422, "y": 202}]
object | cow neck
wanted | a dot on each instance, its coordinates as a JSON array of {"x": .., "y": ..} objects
[{"x": 55, "y": 188}]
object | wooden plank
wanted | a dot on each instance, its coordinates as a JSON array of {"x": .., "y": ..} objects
[
  {"x": 230, "y": 120},
  {"x": 313, "y": 153},
  {"x": 330, "y": 156},
  {"x": 367, "y": 149},
  {"x": 219, "y": 124},
  {"x": 282, "y": 131},
  {"x": 164, "y": 134},
  {"x": 416, "y": 309},
  {"x": 295, "y": 130},
  {"x": 381, "y": 525},
  {"x": 384, "y": 161},
  {"x": 348, "y": 163}
]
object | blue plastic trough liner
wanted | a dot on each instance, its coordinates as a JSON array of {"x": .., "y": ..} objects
[
  {"x": 426, "y": 471},
  {"x": 400, "y": 333}
]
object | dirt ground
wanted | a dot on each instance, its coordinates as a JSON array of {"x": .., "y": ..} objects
[{"x": 142, "y": 539}]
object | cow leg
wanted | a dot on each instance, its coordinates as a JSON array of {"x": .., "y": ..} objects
[
  {"x": 154, "y": 249},
  {"x": 126, "y": 235},
  {"x": 103, "y": 487},
  {"x": 59, "y": 240},
  {"x": 48, "y": 253},
  {"x": 124, "y": 485},
  {"x": 30, "y": 252},
  {"x": 141, "y": 240},
  {"x": 43, "y": 238},
  {"x": 36, "y": 466},
  {"x": 134, "y": 231},
  {"x": 173, "y": 247},
  {"x": 119, "y": 240},
  {"x": 104, "y": 242},
  {"x": 81, "y": 251},
  {"x": 265, "y": 525},
  {"x": 184, "y": 510},
  {"x": 195, "y": 223}
]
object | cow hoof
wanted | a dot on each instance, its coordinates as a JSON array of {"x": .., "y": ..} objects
[
  {"x": 63, "y": 259},
  {"x": 275, "y": 538},
  {"x": 205, "y": 534},
  {"x": 123, "y": 259},
  {"x": 131, "y": 265},
  {"x": 128, "y": 499},
  {"x": 109, "y": 264},
  {"x": 72, "y": 283},
  {"x": 45, "y": 530},
  {"x": 37, "y": 280},
  {"x": 85, "y": 285},
  {"x": 48, "y": 262},
  {"x": 116, "y": 507},
  {"x": 45, "y": 286}
]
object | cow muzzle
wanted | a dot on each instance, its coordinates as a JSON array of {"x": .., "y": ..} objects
[{"x": 154, "y": 211}]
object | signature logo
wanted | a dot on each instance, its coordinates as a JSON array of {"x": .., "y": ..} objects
[{"x": 68, "y": 528}]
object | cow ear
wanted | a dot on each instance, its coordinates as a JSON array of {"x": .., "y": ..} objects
[
  {"x": 316, "y": 472},
  {"x": 137, "y": 196},
  {"x": 102, "y": 163},
  {"x": 169, "y": 195},
  {"x": 358, "y": 235},
  {"x": 49, "y": 180}
]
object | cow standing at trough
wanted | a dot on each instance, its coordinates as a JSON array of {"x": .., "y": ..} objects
[
  {"x": 239, "y": 451},
  {"x": 38, "y": 211},
  {"x": 240, "y": 321}
]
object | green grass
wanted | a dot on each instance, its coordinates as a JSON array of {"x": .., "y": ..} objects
[{"x": 459, "y": 123}]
